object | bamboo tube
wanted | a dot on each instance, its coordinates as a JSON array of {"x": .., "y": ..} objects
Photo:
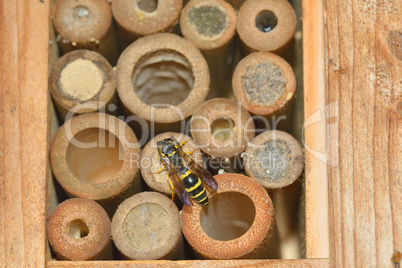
[
  {"x": 150, "y": 162},
  {"x": 237, "y": 223},
  {"x": 275, "y": 160},
  {"x": 93, "y": 156},
  {"x": 146, "y": 226},
  {"x": 221, "y": 128},
  {"x": 79, "y": 229},
  {"x": 85, "y": 24},
  {"x": 266, "y": 25},
  {"x": 82, "y": 81},
  {"x": 265, "y": 85},
  {"x": 211, "y": 25},
  {"x": 161, "y": 79},
  {"x": 144, "y": 17}
]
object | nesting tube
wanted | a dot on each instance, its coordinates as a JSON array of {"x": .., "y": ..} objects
[
  {"x": 79, "y": 229},
  {"x": 266, "y": 25},
  {"x": 144, "y": 17},
  {"x": 275, "y": 160},
  {"x": 237, "y": 223},
  {"x": 85, "y": 24},
  {"x": 265, "y": 85},
  {"x": 161, "y": 80},
  {"x": 146, "y": 226},
  {"x": 82, "y": 81},
  {"x": 221, "y": 128},
  {"x": 96, "y": 156},
  {"x": 150, "y": 162},
  {"x": 211, "y": 26}
]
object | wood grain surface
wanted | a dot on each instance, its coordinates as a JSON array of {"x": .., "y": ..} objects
[
  {"x": 23, "y": 132},
  {"x": 315, "y": 137},
  {"x": 364, "y": 88}
]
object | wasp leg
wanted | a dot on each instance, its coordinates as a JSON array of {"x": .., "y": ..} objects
[
  {"x": 158, "y": 172},
  {"x": 190, "y": 153},
  {"x": 182, "y": 143},
  {"x": 171, "y": 187}
]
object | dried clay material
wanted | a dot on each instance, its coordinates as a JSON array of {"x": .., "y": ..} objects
[
  {"x": 92, "y": 157},
  {"x": 264, "y": 84},
  {"x": 85, "y": 24},
  {"x": 222, "y": 128},
  {"x": 82, "y": 81},
  {"x": 79, "y": 229},
  {"x": 146, "y": 226},
  {"x": 162, "y": 78},
  {"x": 275, "y": 160},
  {"x": 210, "y": 25},
  {"x": 143, "y": 17},
  {"x": 237, "y": 223},
  {"x": 150, "y": 162},
  {"x": 266, "y": 25}
]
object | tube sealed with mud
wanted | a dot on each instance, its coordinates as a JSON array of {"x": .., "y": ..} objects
[
  {"x": 79, "y": 229},
  {"x": 237, "y": 223},
  {"x": 161, "y": 80},
  {"x": 266, "y": 25},
  {"x": 265, "y": 84},
  {"x": 211, "y": 26},
  {"x": 275, "y": 160},
  {"x": 96, "y": 156},
  {"x": 136, "y": 18},
  {"x": 82, "y": 81},
  {"x": 85, "y": 24},
  {"x": 146, "y": 226}
]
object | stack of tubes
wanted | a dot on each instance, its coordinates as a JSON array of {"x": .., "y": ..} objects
[{"x": 174, "y": 124}]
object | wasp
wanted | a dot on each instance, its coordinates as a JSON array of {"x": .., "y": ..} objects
[{"x": 186, "y": 177}]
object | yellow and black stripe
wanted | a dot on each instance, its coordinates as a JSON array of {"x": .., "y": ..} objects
[{"x": 194, "y": 187}]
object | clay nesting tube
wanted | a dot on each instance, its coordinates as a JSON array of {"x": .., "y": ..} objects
[
  {"x": 79, "y": 229},
  {"x": 150, "y": 162},
  {"x": 136, "y": 18},
  {"x": 85, "y": 24},
  {"x": 211, "y": 25},
  {"x": 96, "y": 156},
  {"x": 146, "y": 226},
  {"x": 237, "y": 223},
  {"x": 221, "y": 128},
  {"x": 265, "y": 85},
  {"x": 266, "y": 25},
  {"x": 82, "y": 81},
  {"x": 275, "y": 160},
  {"x": 162, "y": 79}
]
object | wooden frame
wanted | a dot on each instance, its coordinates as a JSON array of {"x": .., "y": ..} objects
[{"x": 24, "y": 141}]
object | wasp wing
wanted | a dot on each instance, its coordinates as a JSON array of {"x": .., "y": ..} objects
[
  {"x": 178, "y": 186},
  {"x": 199, "y": 171}
]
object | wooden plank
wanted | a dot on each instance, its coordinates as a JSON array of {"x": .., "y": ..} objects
[
  {"x": 317, "y": 241},
  {"x": 364, "y": 82},
  {"x": 23, "y": 134},
  {"x": 313, "y": 263}
]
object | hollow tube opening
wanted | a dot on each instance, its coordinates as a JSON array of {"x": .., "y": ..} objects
[
  {"x": 78, "y": 229},
  {"x": 163, "y": 77},
  {"x": 95, "y": 155},
  {"x": 148, "y": 6},
  {"x": 266, "y": 21},
  {"x": 222, "y": 128},
  {"x": 228, "y": 216}
]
